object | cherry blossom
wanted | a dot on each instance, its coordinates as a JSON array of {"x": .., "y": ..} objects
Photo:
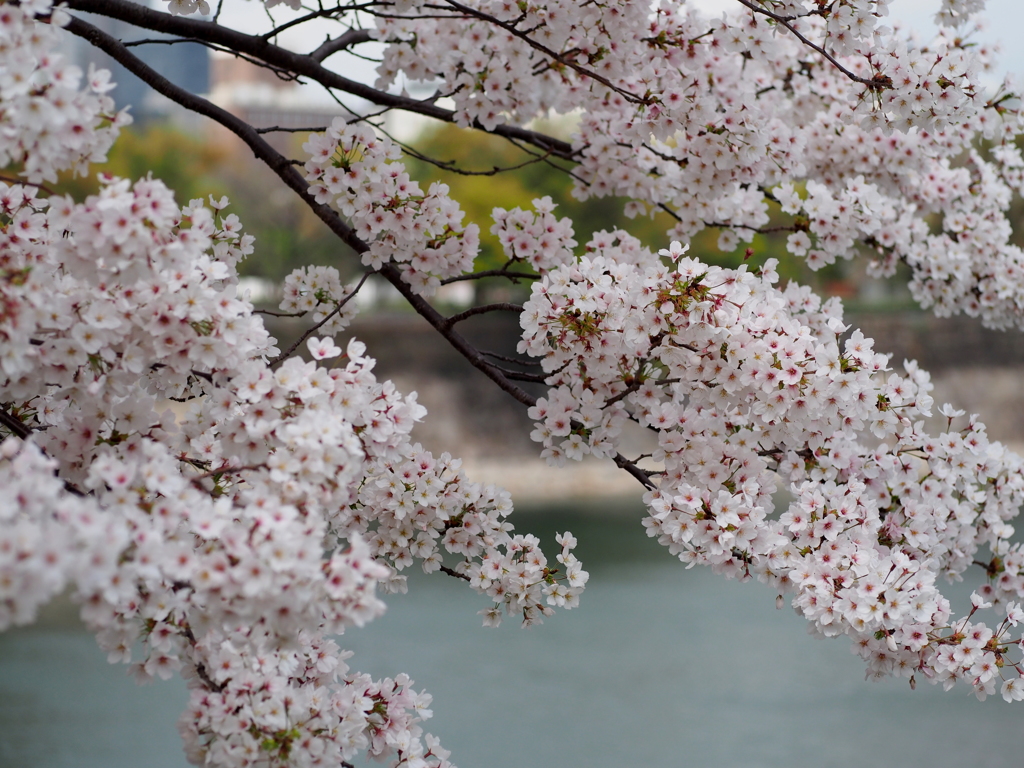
[
  {"x": 356, "y": 170},
  {"x": 322, "y": 349},
  {"x": 224, "y": 510},
  {"x": 748, "y": 386}
]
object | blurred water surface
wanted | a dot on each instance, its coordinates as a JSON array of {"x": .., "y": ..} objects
[{"x": 660, "y": 666}]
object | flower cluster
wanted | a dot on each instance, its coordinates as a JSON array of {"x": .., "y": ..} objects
[
  {"x": 411, "y": 510},
  {"x": 711, "y": 119},
  {"x": 319, "y": 290},
  {"x": 49, "y": 124},
  {"x": 224, "y": 540},
  {"x": 219, "y": 538},
  {"x": 220, "y": 511},
  {"x": 743, "y": 384},
  {"x": 37, "y": 550},
  {"x": 539, "y": 239},
  {"x": 124, "y": 293},
  {"x": 705, "y": 117},
  {"x": 355, "y": 170},
  {"x": 299, "y": 706}
]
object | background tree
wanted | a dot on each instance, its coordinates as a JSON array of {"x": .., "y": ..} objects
[{"x": 234, "y": 538}]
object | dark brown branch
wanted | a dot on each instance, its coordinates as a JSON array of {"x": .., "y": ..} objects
[
  {"x": 623, "y": 394},
  {"x": 456, "y": 574},
  {"x": 641, "y": 475},
  {"x": 752, "y": 228},
  {"x": 877, "y": 83},
  {"x": 297, "y": 63},
  {"x": 14, "y": 424},
  {"x": 162, "y": 41},
  {"x": 346, "y": 40},
  {"x": 483, "y": 310},
  {"x": 281, "y": 358}
]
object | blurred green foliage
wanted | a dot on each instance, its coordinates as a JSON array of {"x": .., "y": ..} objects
[
  {"x": 289, "y": 235},
  {"x": 451, "y": 147},
  {"x": 186, "y": 164}
]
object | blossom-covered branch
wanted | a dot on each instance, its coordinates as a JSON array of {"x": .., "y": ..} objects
[{"x": 230, "y": 537}]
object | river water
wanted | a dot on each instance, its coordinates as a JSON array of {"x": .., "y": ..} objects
[{"x": 659, "y": 667}]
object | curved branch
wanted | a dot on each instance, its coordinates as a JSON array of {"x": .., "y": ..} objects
[
  {"x": 879, "y": 82},
  {"x": 301, "y": 64},
  {"x": 281, "y": 166},
  {"x": 481, "y": 310},
  {"x": 345, "y": 40},
  {"x": 554, "y": 55}
]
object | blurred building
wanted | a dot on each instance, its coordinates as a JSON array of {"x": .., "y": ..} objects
[{"x": 264, "y": 100}]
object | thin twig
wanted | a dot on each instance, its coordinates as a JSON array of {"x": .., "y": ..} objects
[
  {"x": 341, "y": 42},
  {"x": 279, "y": 129},
  {"x": 873, "y": 83},
  {"x": 228, "y": 470},
  {"x": 513, "y": 276},
  {"x": 24, "y": 183},
  {"x": 272, "y": 313},
  {"x": 483, "y": 310},
  {"x": 281, "y": 358},
  {"x": 456, "y": 574},
  {"x": 14, "y": 424}
]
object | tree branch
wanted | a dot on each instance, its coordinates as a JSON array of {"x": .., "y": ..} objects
[
  {"x": 482, "y": 310},
  {"x": 340, "y": 43},
  {"x": 456, "y": 574},
  {"x": 293, "y": 179},
  {"x": 284, "y": 355},
  {"x": 301, "y": 64},
  {"x": 877, "y": 83},
  {"x": 14, "y": 424}
]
